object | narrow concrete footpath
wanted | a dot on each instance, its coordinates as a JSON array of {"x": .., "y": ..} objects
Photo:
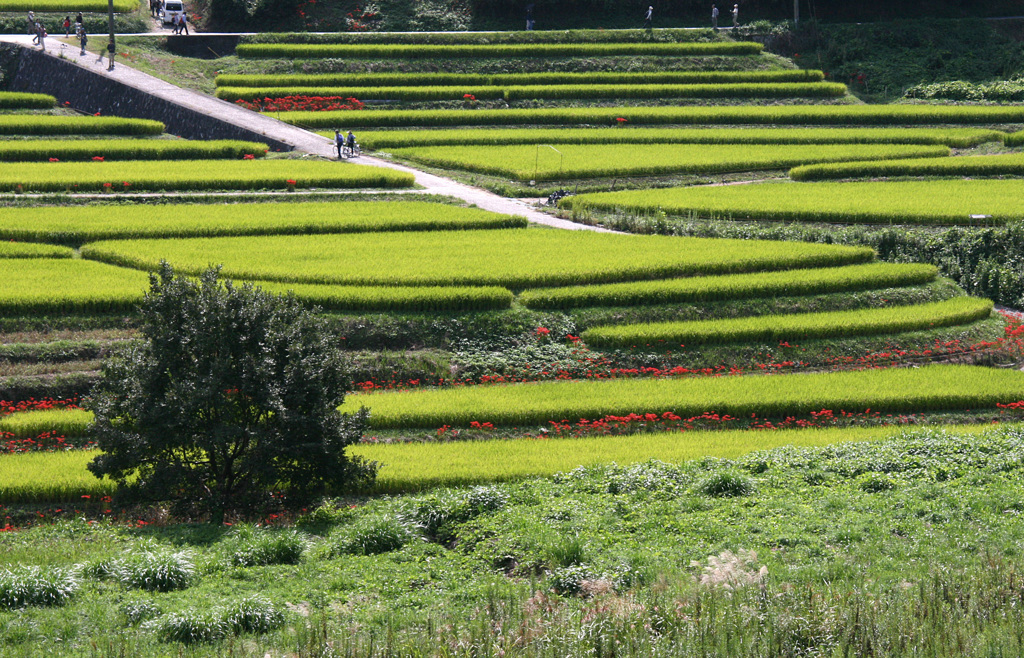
[{"x": 301, "y": 140}]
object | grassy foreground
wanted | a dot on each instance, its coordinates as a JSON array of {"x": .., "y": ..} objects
[{"x": 907, "y": 545}]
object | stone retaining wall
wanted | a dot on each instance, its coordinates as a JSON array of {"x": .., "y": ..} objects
[{"x": 91, "y": 92}]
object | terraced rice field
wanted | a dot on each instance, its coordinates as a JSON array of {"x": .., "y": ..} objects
[
  {"x": 76, "y": 225},
  {"x": 883, "y": 202},
  {"x": 509, "y": 258},
  {"x": 796, "y": 327},
  {"x": 954, "y": 137},
  {"x": 195, "y": 175},
  {"x": 570, "y": 161},
  {"x": 887, "y": 391},
  {"x": 780, "y": 115}
]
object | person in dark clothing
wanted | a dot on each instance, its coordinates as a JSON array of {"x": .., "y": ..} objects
[
  {"x": 350, "y": 143},
  {"x": 339, "y": 142},
  {"x": 110, "y": 55},
  {"x": 529, "y": 16}
]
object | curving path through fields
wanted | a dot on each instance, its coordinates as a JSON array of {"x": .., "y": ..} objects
[{"x": 301, "y": 140}]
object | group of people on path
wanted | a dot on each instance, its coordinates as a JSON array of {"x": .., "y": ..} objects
[
  {"x": 345, "y": 143},
  {"x": 649, "y": 16},
  {"x": 735, "y": 16}
]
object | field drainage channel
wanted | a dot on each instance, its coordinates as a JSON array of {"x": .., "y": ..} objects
[{"x": 35, "y": 73}]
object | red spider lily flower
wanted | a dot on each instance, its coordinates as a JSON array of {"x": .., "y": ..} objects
[
  {"x": 97, "y": 158},
  {"x": 97, "y": 114},
  {"x": 469, "y": 97},
  {"x": 54, "y": 160},
  {"x": 248, "y": 156},
  {"x": 621, "y": 120}
]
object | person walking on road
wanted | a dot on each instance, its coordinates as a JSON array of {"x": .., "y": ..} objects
[
  {"x": 183, "y": 24},
  {"x": 40, "y": 35},
  {"x": 110, "y": 55},
  {"x": 83, "y": 38},
  {"x": 735, "y": 15},
  {"x": 648, "y": 17},
  {"x": 67, "y": 26},
  {"x": 31, "y": 22},
  {"x": 714, "y": 16},
  {"x": 529, "y": 16},
  {"x": 339, "y": 142}
]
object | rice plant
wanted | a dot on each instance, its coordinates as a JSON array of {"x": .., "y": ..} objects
[
  {"x": 509, "y": 258},
  {"x": 964, "y": 202},
  {"x": 980, "y": 165},
  {"x": 403, "y": 51},
  {"x": 796, "y": 115},
  {"x": 734, "y": 286},
  {"x": 795, "y": 327},
  {"x": 570, "y": 161},
  {"x": 954, "y": 137},
  {"x": 928, "y": 388}
]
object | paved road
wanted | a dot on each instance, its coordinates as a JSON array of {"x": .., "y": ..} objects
[{"x": 301, "y": 140}]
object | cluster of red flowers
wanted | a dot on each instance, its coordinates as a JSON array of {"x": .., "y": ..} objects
[
  {"x": 9, "y": 407},
  {"x": 45, "y": 442},
  {"x": 301, "y": 103},
  {"x": 668, "y": 421}
]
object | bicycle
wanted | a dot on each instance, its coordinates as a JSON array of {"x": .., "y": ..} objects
[{"x": 351, "y": 151}]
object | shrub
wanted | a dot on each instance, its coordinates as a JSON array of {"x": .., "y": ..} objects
[
  {"x": 253, "y": 615},
  {"x": 155, "y": 570},
  {"x": 251, "y": 547},
  {"x": 875, "y": 483},
  {"x": 191, "y": 628},
  {"x": 569, "y": 580},
  {"x": 22, "y": 586},
  {"x": 726, "y": 484},
  {"x": 136, "y": 611},
  {"x": 372, "y": 535},
  {"x": 231, "y": 390}
]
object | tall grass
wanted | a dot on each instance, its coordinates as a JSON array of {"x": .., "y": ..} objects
[
  {"x": 878, "y": 202},
  {"x": 568, "y": 161},
  {"x": 795, "y": 327},
  {"x": 515, "y": 258},
  {"x": 929, "y": 388}
]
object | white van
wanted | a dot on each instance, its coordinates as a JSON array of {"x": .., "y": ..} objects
[{"x": 172, "y": 9}]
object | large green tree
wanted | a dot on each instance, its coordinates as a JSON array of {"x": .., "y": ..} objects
[{"x": 230, "y": 396}]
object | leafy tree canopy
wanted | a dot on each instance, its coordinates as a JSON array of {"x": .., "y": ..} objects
[{"x": 231, "y": 395}]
